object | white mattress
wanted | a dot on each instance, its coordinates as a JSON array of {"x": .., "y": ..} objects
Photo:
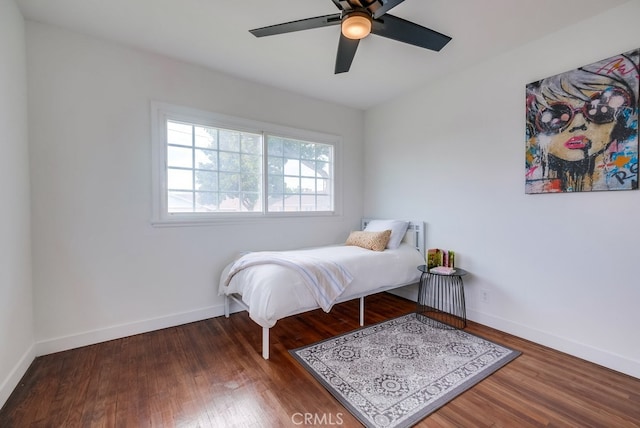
[{"x": 273, "y": 292}]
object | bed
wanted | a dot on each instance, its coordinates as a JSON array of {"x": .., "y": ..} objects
[{"x": 274, "y": 285}]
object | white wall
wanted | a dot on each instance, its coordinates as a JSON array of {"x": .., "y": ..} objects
[
  {"x": 16, "y": 313},
  {"x": 100, "y": 269},
  {"x": 559, "y": 269}
]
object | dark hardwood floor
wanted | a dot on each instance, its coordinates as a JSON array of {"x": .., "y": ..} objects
[{"x": 211, "y": 374}]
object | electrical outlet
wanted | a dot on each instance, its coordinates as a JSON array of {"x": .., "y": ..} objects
[{"x": 484, "y": 296}]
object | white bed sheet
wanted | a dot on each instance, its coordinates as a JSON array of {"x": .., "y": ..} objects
[{"x": 273, "y": 292}]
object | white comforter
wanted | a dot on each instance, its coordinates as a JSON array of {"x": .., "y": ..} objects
[{"x": 273, "y": 291}]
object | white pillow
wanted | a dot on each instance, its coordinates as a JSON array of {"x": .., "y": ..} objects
[{"x": 398, "y": 229}]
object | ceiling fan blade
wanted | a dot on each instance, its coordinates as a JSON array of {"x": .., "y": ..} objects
[
  {"x": 380, "y": 7},
  {"x": 343, "y": 4},
  {"x": 346, "y": 51},
  {"x": 299, "y": 25},
  {"x": 395, "y": 28}
]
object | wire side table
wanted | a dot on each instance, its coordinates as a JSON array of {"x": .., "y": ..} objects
[{"x": 441, "y": 299}]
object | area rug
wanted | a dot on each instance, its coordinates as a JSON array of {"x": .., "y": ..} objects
[{"x": 393, "y": 374}]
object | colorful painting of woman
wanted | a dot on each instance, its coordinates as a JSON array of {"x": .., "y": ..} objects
[{"x": 582, "y": 128}]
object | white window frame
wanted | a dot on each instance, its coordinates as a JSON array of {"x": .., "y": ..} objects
[{"x": 161, "y": 112}]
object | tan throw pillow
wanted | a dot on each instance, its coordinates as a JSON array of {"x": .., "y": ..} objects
[{"x": 376, "y": 241}]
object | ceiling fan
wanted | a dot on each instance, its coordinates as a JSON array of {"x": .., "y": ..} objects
[{"x": 358, "y": 18}]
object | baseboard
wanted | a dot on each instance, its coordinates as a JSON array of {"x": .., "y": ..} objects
[
  {"x": 10, "y": 383},
  {"x": 597, "y": 356},
  {"x": 58, "y": 344}
]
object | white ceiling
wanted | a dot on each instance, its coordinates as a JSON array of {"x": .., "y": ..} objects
[{"x": 214, "y": 34}]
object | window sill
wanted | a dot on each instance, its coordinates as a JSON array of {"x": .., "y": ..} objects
[{"x": 224, "y": 219}]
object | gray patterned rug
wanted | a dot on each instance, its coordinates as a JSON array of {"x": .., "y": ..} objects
[{"x": 395, "y": 373}]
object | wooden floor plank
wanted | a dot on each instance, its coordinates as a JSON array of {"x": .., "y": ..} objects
[{"x": 211, "y": 374}]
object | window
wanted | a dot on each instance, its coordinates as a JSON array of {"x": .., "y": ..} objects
[
  {"x": 299, "y": 175},
  {"x": 212, "y": 169},
  {"x": 209, "y": 167}
]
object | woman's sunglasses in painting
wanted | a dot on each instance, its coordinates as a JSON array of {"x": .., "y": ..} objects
[{"x": 603, "y": 107}]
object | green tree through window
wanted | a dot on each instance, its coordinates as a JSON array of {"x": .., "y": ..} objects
[{"x": 236, "y": 168}]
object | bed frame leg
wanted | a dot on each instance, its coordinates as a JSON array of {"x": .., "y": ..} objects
[
  {"x": 265, "y": 343},
  {"x": 361, "y": 311},
  {"x": 226, "y": 306}
]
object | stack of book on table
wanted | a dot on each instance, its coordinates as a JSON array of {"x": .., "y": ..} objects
[{"x": 441, "y": 261}]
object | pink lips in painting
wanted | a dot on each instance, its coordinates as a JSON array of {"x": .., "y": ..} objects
[{"x": 578, "y": 142}]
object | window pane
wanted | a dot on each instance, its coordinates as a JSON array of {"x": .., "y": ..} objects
[
  {"x": 179, "y": 156},
  {"x": 323, "y": 203},
  {"x": 207, "y": 180},
  {"x": 206, "y": 202},
  {"x": 307, "y": 203},
  {"x": 229, "y": 162},
  {"x": 251, "y": 201},
  {"x": 307, "y": 151},
  {"x": 291, "y": 149},
  {"x": 276, "y": 203},
  {"x": 307, "y": 169},
  {"x": 275, "y": 146},
  {"x": 308, "y": 185},
  {"x": 291, "y": 184},
  {"x": 292, "y": 167},
  {"x": 323, "y": 169},
  {"x": 276, "y": 165},
  {"x": 226, "y": 167},
  {"x": 276, "y": 184},
  {"x": 179, "y": 133},
  {"x": 251, "y": 164},
  {"x": 230, "y": 202},
  {"x": 206, "y": 137},
  {"x": 206, "y": 159},
  {"x": 180, "y": 202},
  {"x": 251, "y": 143},
  {"x": 250, "y": 182},
  {"x": 323, "y": 186},
  {"x": 179, "y": 179},
  {"x": 292, "y": 203},
  {"x": 229, "y": 182},
  {"x": 229, "y": 140},
  {"x": 324, "y": 152}
]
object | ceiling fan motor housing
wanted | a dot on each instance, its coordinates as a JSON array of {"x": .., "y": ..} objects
[{"x": 356, "y": 24}]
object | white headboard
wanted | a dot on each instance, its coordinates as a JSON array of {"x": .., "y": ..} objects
[{"x": 414, "y": 236}]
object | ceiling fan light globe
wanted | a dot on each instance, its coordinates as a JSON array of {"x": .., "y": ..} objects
[{"x": 356, "y": 26}]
